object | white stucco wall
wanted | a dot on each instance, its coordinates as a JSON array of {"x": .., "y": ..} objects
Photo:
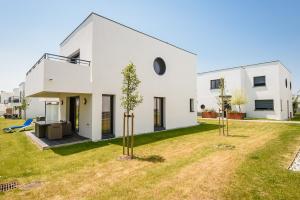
[{"x": 112, "y": 47}]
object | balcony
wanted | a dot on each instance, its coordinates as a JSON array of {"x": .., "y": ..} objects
[{"x": 53, "y": 74}]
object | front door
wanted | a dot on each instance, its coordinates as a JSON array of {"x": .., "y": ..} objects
[
  {"x": 74, "y": 113},
  {"x": 158, "y": 113},
  {"x": 107, "y": 116}
]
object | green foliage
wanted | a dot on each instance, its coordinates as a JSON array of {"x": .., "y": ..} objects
[
  {"x": 295, "y": 104},
  {"x": 239, "y": 98},
  {"x": 131, "y": 97}
]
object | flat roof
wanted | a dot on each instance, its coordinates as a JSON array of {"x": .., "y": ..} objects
[
  {"x": 123, "y": 26},
  {"x": 245, "y": 66}
]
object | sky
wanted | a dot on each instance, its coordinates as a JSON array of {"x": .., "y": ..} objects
[{"x": 222, "y": 33}]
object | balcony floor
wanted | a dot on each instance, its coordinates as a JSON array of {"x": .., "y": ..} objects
[{"x": 44, "y": 143}]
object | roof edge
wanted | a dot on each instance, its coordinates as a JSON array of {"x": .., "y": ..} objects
[
  {"x": 93, "y": 13},
  {"x": 244, "y": 66}
]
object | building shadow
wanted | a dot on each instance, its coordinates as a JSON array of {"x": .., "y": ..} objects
[{"x": 139, "y": 140}]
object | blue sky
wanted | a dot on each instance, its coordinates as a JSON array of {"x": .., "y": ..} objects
[{"x": 223, "y": 33}]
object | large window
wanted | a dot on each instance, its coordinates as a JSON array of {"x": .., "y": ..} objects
[
  {"x": 192, "y": 107},
  {"x": 107, "y": 116},
  {"x": 215, "y": 84},
  {"x": 267, "y": 104},
  {"x": 259, "y": 81}
]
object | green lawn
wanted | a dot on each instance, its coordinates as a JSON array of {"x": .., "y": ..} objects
[
  {"x": 296, "y": 117},
  {"x": 189, "y": 163}
]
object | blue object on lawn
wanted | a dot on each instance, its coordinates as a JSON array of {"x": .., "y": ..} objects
[{"x": 12, "y": 128}]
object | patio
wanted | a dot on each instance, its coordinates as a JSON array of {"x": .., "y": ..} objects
[{"x": 44, "y": 143}]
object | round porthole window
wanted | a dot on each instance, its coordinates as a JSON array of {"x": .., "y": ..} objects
[{"x": 159, "y": 66}]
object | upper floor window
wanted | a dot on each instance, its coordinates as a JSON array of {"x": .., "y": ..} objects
[
  {"x": 192, "y": 105},
  {"x": 259, "y": 81},
  {"x": 286, "y": 83},
  {"x": 215, "y": 84},
  {"x": 75, "y": 58},
  {"x": 267, "y": 104},
  {"x": 159, "y": 66},
  {"x": 290, "y": 85}
]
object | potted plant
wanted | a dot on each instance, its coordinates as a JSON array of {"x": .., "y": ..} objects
[
  {"x": 209, "y": 113},
  {"x": 238, "y": 99}
]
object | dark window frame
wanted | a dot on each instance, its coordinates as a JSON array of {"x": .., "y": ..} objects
[
  {"x": 286, "y": 83},
  {"x": 263, "y": 109},
  {"x": 159, "y": 66},
  {"x": 255, "y": 84},
  {"x": 192, "y": 105},
  {"x": 215, "y": 84}
]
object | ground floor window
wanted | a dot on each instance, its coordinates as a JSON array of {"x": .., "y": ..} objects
[
  {"x": 158, "y": 113},
  {"x": 192, "y": 106},
  {"x": 107, "y": 116},
  {"x": 266, "y": 104}
]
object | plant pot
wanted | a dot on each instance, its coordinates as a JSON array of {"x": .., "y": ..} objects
[
  {"x": 236, "y": 115},
  {"x": 209, "y": 115}
]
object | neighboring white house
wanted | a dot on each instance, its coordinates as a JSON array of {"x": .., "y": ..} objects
[
  {"x": 39, "y": 107},
  {"x": 4, "y": 100},
  {"x": 87, "y": 79},
  {"x": 268, "y": 88}
]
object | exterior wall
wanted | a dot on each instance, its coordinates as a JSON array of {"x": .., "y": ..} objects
[
  {"x": 113, "y": 48},
  {"x": 85, "y": 112},
  {"x": 55, "y": 76},
  {"x": 242, "y": 78},
  {"x": 285, "y": 92}
]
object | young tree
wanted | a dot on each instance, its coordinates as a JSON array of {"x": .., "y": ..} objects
[
  {"x": 239, "y": 98},
  {"x": 24, "y": 105},
  {"x": 130, "y": 99}
]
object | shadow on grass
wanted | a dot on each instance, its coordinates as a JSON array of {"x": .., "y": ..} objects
[
  {"x": 151, "y": 158},
  {"x": 139, "y": 139},
  {"x": 241, "y": 136}
]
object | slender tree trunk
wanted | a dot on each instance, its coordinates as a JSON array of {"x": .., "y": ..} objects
[
  {"x": 240, "y": 108},
  {"x": 132, "y": 118},
  {"x": 127, "y": 134}
]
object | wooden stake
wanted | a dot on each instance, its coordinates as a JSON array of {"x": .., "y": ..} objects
[
  {"x": 124, "y": 133},
  {"x": 132, "y": 127},
  {"x": 227, "y": 122},
  {"x": 127, "y": 133},
  {"x": 219, "y": 122}
]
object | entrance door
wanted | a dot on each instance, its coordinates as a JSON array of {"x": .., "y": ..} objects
[
  {"x": 107, "y": 116},
  {"x": 74, "y": 113},
  {"x": 158, "y": 113}
]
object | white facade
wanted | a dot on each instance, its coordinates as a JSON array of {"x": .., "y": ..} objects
[
  {"x": 278, "y": 82},
  {"x": 39, "y": 107},
  {"x": 110, "y": 46}
]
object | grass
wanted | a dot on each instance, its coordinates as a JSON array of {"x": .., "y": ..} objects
[
  {"x": 189, "y": 163},
  {"x": 296, "y": 117}
]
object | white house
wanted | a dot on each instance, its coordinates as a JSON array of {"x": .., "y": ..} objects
[
  {"x": 86, "y": 77},
  {"x": 267, "y": 86},
  {"x": 39, "y": 107}
]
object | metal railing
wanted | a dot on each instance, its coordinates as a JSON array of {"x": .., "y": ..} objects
[{"x": 50, "y": 56}]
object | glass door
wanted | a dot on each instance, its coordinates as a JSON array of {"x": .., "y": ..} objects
[
  {"x": 158, "y": 113},
  {"x": 107, "y": 116},
  {"x": 74, "y": 113}
]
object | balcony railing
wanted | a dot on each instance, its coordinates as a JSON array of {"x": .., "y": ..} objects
[{"x": 50, "y": 56}]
